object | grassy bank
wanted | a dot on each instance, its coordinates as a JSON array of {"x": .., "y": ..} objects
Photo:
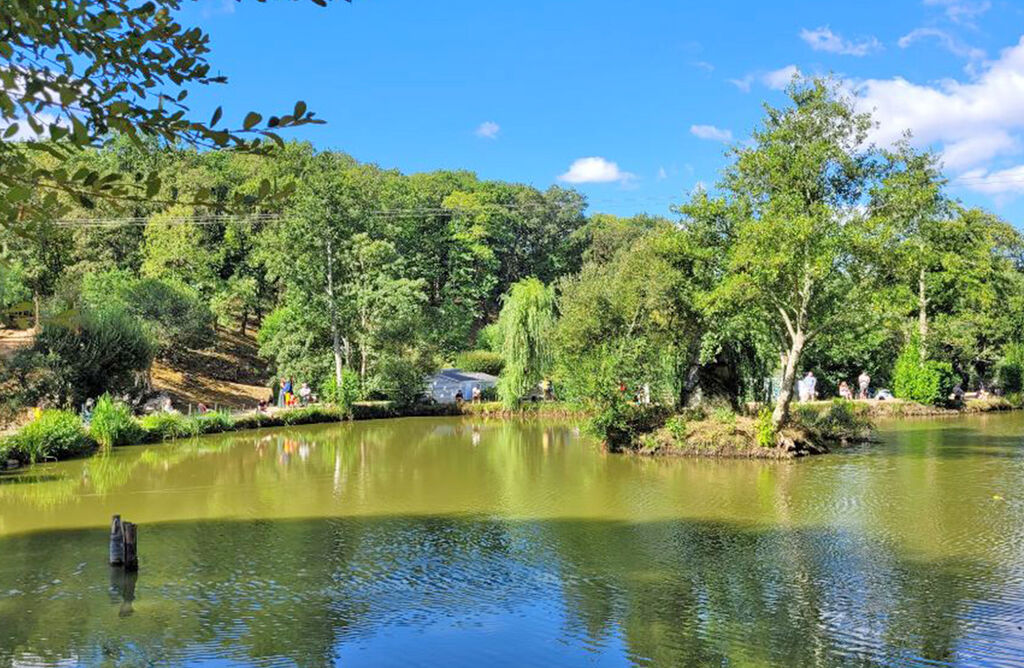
[
  {"x": 814, "y": 429},
  {"x": 900, "y": 408},
  {"x": 59, "y": 434}
]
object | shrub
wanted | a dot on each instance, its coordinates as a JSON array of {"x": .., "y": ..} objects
[
  {"x": 214, "y": 422},
  {"x": 173, "y": 314},
  {"x": 106, "y": 351},
  {"x": 54, "y": 434},
  {"x": 929, "y": 382},
  {"x": 480, "y": 361},
  {"x": 765, "y": 430},
  {"x": 1010, "y": 372},
  {"x": 620, "y": 423},
  {"x": 723, "y": 414},
  {"x": 489, "y": 338},
  {"x": 342, "y": 397},
  {"x": 676, "y": 426},
  {"x": 112, "y": 423},
  {"x": 312, "y": 415},
  {"x": 164, "y": 426},
  {"x": 843, "y": 419}
]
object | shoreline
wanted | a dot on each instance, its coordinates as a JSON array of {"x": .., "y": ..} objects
[
  {"x": 707, "y": 438},
  {"x": 174, "y": 426}
]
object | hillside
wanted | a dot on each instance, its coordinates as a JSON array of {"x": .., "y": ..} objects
[{"x": 228, "y": 374}]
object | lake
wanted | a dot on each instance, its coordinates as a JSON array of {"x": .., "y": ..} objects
[{"x": 437, "y": 541}]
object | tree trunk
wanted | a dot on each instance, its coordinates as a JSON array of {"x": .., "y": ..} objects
[
  {"x": 245, "y": 319},
  {"x": 37, "y": 320},
  {"x": 335, "y": 332},
  {"x": 790, "y": 361},
  {"x": 363, "y": 353},
  {"x": 922, "y": 316}
]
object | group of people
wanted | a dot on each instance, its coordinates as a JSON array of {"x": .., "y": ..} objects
[
  {"x": 807, "y": 387},
  {"x": 476, "y": 393},
  {"x": 288, "y": 396}
]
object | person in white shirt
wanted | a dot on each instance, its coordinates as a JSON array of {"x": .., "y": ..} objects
[{"x": 863, "y": 382}]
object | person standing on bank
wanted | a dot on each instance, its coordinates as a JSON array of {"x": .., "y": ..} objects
[{"x": 863, "y": 381}]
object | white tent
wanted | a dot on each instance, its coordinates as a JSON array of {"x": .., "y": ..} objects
[{"x": 446, "y": 383}]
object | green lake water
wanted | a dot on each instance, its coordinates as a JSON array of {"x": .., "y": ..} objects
[{"x": 451, "y": 542}]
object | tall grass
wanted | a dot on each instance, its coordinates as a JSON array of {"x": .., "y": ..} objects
[
  {"x": 53, "y": 435},
  {"x": 112, "y": 423},
  {"x": 165, "y": 426}
]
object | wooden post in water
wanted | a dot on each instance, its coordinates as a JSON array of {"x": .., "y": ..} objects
[
  {"x": 116, "y": 541},
  {"x": 131, "y": 551}
]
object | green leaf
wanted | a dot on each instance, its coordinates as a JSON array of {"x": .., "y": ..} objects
[
  {"x": 251, "y": 119},
  {"x": 152, "y": 185},
  {"x": 11, "y": 130},
  {"x": 216, "y": 116},
  {"x": 18, "y": 193}
]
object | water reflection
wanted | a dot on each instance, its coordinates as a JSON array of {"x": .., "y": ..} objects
[{"x": 453, "y": 542}]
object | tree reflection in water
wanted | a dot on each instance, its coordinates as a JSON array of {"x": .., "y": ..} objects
[{"x": 455, "y": 542}]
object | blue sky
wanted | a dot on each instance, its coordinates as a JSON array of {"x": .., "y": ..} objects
[{"x": 631, "y": 103}]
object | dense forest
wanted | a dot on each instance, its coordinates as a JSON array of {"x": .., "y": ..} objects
[{"x": 815, "y": 251}]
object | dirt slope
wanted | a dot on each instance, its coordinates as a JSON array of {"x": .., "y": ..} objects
[{"x": 229, "y": 374}]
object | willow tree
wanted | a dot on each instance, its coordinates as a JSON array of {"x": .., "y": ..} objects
[
  {"x": 795, "y": 266},
  {"x": 526, "y": 324}
]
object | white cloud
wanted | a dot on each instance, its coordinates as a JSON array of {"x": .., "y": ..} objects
[
  {"x": 947, "y": 41},
  {"x": 703, "y": 65},
  {"x": 962, "y": 11},
  {"x": 1003, "y": 182},
  {"x": 780, "y": 78},
  {"x": 662, "y": 174},
  {"x": 711, "y": 132},
  {"x": 595, "y": 170},
  {"x": 774, "y": 79},
  {"x": 970, "y": 151},
  {"x": 970, "y": 122},
  {"x": 744, "y": 83},
  {"x": 823, "y": 39},
  {"x": 488, "y": 130}
]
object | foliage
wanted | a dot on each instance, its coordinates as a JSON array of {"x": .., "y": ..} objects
[
  {"x": 619, "y": 422},
  {"x": 489, "y": 338},
  {"x": 112, "y": 423},
  {"x": 764, "y": 428},
  {"x": 480, "y": 361},
  {"x": 165, "y": 426},
  {"x": 77, "y": 73},
  {"x": 213, "y": 422},
  {"x": 1010, "y": 372},
  {"x": 842, "y": 420},
  {"x": 55, "y": 434},
  {"x": 924, "y": 381},
  {"x": 294, "y": 341},
  {"x": 796, "y": 266},
  {"x": 527, "y": 325},
  {"x": 104, "y": 351},
  {"x": 342, "y": 397},
  {"x": 676, "y": 426},
  {"x": 636, "y": 320},
  {"x": 173, "y": 314}
]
